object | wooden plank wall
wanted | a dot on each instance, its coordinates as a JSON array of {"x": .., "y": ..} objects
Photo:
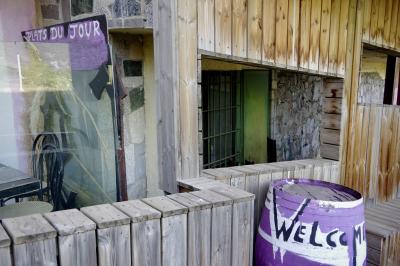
[
  {"x": 370, "y": 135},
  {"x": 374, "y": 162},
  {"x": 306, "y": 35},
  {"x": 331, "y": 116},
  {"x": 153, "y": 231},
  {"x": 381, "y": 23}
]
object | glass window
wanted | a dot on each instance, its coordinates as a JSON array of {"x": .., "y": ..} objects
[{"x": 42, "y": 94}]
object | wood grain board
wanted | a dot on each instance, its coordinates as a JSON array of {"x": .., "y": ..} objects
[
  {"x": 380, "y": 23},
  {"x": 194, "y": 228},
  {"x": 383, "y": 233}
]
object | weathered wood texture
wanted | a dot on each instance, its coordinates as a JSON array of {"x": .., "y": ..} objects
[
  {"x": 221, "y": 226},
  {"x": 33, "y": 239},
  {"x": 381, "y": 25},
  {"x": 330, "y": 128},
  {"x": 187, "y": 84},
  {"x": 383, "y": 233},
  {"x": 113, "y": 234},
  {"x": 196, "y": 228},
  {"x": 76, "y": 237},
  {"x": 199, "y": 228},
  {"x": 145, "y": 232},
  {"x": 374, "y": 159},
  {"x": 173, "y": 230},
  {"x": 5, "y": 252},
  {"x": 256, "y": 178},
  {"x": 307, "y": 35},
  {"x": 166, "y": 75}
]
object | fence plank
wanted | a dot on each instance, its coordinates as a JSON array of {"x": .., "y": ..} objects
[
  {"x": 387, "y": 22},
  {"x": 76, "y": 237},
  {"x": 394, "y": 154},
  {"x": 113, "y": 234},
  {"x": 343, "y": 25},
  {"x": 293, "y": 33},
  {"x": 373, "y": 149},
  {"x": 281, "y": 33},
  {"x": 243, "y": 226},
  {"x": 269, "y": 9},
  {"x": 393, "y": 26},
  {"x": 305, "y": 23},
  {"x": 254, "y": 37},
  {"x": 314, "y": 35},
  {"x": 221, "y": 224},
  {"x": 146, "y": 232},
  {"x": 366, "y": 20},
  {"x": 223, "y": 26},
  {"x": 34, "y": 240},
  {"x": 239, "y": 28},
  {"x": 173, "y": 230},
  {"x": 381, "y": 22},
  {"x": 205, "y": 24},
  {"x": 199, "y": 228},
  {"x": 374, "y": 21},
  {"x": 5, "y": 252},
  {"x": 324, "y": 36},
  {"x": 334, "y": 37}
]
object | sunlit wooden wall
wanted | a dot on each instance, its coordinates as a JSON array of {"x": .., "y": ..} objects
[
  {"x": 307, "y": 35},
  {"x": 381, "y": 22},
  {"x": 373, "y": 160},
  {"x": 370, "y": 156}
]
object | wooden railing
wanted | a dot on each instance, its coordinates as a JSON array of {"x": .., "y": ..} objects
[
  {"x": 206, "y": 227},
  {"x": 256, "y": 178}
]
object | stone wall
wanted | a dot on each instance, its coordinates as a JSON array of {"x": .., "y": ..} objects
[
  {"x": 371, "y": 88},
  {"x": 372, "y": 77},
  {"x": 296, "y": 108}
]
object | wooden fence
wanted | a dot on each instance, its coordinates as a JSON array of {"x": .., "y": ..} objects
[
  {"x": 256, "y": 178},
  {"x": 206, "y": 227},
  {"x": 373, "y": 164}
]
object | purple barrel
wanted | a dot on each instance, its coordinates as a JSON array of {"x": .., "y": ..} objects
[{"x": 310, "y": 222}]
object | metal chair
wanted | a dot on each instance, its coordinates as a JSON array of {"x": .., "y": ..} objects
[{"x": 48, "y": 167}]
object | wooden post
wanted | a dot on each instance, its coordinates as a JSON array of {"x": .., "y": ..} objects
[
  {"x": 5, "y": 252},
  {"x": 113, "y": 234},
  {"x": 34, "y": 240},
  {"x": 173, "y": 230},
  {"x": 199, "y": 228},
  {"x": 146, "y": 232},
  {"x": 243, "y": 226},
  {"x": 76, "y": 237},
  {"x": 221, "y": 226}
]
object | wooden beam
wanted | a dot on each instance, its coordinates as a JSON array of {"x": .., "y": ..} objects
[{"x": 166, "y": 78}]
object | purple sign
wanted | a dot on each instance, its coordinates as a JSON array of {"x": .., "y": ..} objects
[
  {"x": 87, "y": 39},
  {"x": 298, "y": 230}
]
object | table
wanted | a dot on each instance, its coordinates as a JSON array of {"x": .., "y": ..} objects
[{"x": 14, "y": 182}]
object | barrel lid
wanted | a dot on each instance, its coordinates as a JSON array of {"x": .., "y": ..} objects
[{"x": 317, "y": 191}]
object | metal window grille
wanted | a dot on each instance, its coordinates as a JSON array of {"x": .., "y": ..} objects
[{"x": 222, "y": 118}]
